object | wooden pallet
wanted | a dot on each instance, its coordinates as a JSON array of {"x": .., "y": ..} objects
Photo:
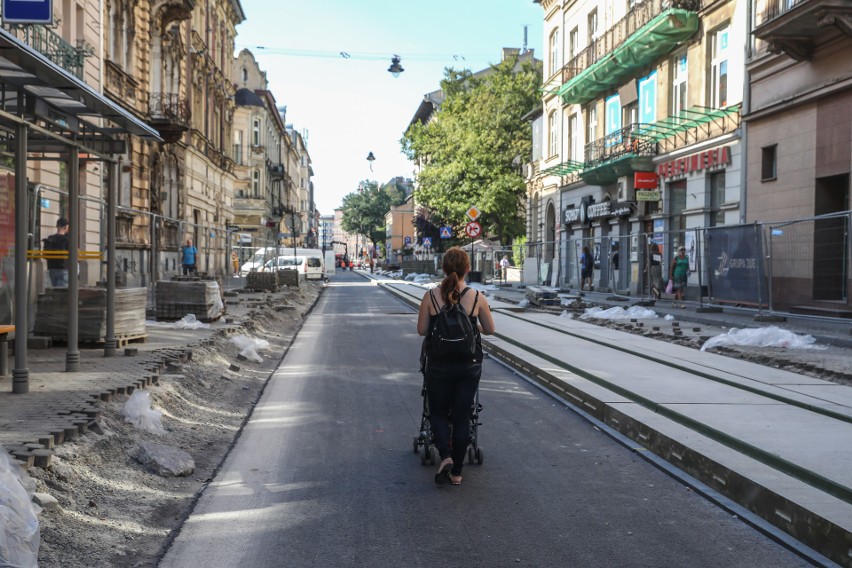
[{"x": 120, "y": 341}]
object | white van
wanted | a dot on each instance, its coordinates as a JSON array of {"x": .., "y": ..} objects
[
  {"x": 260, "y": 257},
  {"x": 285, "y": 263}
]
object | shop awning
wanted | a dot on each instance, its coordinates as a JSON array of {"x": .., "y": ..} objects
[
  {"x": 692, "y": 117},
  {"x": 58, "y": 101},
  {"x": 658, "y": 37},
  {"x": 564, "y": 168}
]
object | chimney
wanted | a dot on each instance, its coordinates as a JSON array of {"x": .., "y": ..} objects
[{"x": 510, "y": 52}]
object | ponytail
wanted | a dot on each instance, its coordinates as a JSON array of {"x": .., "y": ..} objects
[{"x": 449, "y": 289}]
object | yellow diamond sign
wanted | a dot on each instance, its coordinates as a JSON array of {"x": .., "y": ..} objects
[{"x": 473, "y": 213}]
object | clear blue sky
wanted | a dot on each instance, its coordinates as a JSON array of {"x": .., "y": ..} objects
[{"x": 350, "y": 107}]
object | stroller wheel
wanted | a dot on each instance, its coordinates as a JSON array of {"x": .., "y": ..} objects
[
  {"x": 434, "y": 457},
  {"x": 424, "y": 455},
  {"x": 480, "y": 456},
  {"x": 470, "y": 455},
  {"x": 416, "y": 444}
]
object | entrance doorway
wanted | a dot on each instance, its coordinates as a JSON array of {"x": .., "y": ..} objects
[{"x": 831, "y": 239}]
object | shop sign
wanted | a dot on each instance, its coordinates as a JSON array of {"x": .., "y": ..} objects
[
  {"x": 609, "y": 209},
  {"x": 576, "y": 214},
  {"x": 717, "y": 157},
  {"x": 27, "y": 11},
  {"x": 645, "y": 180},
  {"x": 648, "y": 195}
]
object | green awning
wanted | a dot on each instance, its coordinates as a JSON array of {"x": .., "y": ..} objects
[
  {"x": 658, "y": 37},
  {"x": 690, "y": 118},
  {"x": 564, "y": 168}
]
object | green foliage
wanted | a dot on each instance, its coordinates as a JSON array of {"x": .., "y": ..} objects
[
  {"x": 364, "y": 209},
  {"x": 519, "y": 250},
  {"x": 472, "y": 148}
]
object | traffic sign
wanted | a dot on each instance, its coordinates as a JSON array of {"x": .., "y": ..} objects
[
  {"x": 473, "y": 229},
  {"x": 28, "y": 12},
  {"x": 427, "y": 241},
  {"x": 473, "y": 213},
  {"x": 446, "y": 232},
  {"x": 407, "y": 241}
]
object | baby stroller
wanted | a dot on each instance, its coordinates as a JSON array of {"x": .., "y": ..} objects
[{"x": 424, "y": 443}]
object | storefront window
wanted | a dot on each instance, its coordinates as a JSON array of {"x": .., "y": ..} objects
[
  {"x": 677, "y": 204},
  {"x": 717, "y": 198}
]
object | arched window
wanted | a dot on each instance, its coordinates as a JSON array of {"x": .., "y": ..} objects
[{"x": 255, "y": 133}]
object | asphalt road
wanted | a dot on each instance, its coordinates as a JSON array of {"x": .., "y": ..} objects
[{"x": 324, "y": 474}]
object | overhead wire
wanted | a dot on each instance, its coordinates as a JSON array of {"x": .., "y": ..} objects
[{"x": 362, "y": 55}]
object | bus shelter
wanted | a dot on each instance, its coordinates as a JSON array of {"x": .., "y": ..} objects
[{"x": 46, "y": 113}]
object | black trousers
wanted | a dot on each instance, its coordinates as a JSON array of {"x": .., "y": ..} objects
[{"x": 451, "y": 388}]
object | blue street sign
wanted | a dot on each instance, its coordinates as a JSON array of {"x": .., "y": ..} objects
[
  {"x": 27, "y": 11},
  {"x": 407, "y": 241},
  {"x": 427, "y": 241},
  {"x": 446, "y": 232}
]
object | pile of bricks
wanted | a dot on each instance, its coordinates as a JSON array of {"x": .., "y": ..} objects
[
  {"x": 176, "y": 299},
  {"x": 51, "y": 318}
]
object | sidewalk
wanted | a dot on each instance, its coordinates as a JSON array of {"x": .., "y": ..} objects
[
  {"x": 61, "y": 405},
  {"x": 774, "y": 441}
]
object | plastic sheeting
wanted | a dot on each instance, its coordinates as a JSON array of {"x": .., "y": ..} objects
[
  {"x": 19, "y": 529},
  {"x": 249, "y": 347},
  {"x": 619, "y": 313},
  {"x": 138, "y": 411},
  {"x": 772, "y": 336}
]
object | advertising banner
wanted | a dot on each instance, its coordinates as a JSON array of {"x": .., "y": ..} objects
[{"x": 735, "y": 272}]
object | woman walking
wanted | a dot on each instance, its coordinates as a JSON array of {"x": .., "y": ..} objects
[
  {"x": 451, "y": 385},
  {"x": 679, "y": 273}
]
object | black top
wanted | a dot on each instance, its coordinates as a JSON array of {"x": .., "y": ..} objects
[{"x": 56, "y": 242}]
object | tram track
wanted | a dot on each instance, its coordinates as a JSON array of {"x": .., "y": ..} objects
[{"x": 554, "y": 373}]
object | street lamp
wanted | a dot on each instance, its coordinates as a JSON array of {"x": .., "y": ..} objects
[
  {"x": 395, "y": 68},
  {"x": 371, "y": 158}
]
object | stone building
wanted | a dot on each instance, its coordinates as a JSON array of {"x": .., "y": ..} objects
[{"x": 637, "y": 92}]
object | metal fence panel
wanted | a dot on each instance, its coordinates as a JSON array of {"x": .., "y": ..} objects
[{"x": 735, "y": 269}]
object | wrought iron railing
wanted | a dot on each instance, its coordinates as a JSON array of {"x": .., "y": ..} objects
[
  {"x": 53, "y": 46},
  {"x": 771, "y": 9},
  {"x": 169, "y": 106},
  {"x": 639, "y": 15},
  {"x": 623, "y": 142}
]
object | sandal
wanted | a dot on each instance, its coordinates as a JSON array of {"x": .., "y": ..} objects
[
  {"x": 455, "y": 479},
  {"x": 443, "y": 475}
]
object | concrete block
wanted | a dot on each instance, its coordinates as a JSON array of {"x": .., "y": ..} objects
[
  {"x": 47, "y": 441},
  {"x": 106, "y": 396},
  {"x": 82, "y": 426},
  {"x": 38, "y": 342},
  {"x": 131, "y": 351},
  {"x": 46, "y": 501},
  {"x": 26, "y": 460},
  {"x": 71, "y": 432},
  {"x": 234, "y": 367},
  {"x": 58, "y": 436},
  {"x": 129, "y": 389},
  {"x": 121, "y": 390},
  {"x": 41, "y": 458}
]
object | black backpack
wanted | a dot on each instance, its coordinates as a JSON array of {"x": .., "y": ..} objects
[{"x": 453, "y": 336}]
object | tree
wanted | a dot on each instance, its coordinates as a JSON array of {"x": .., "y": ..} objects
[
  {"x": 364, "y": 209},
  {"x": 472, "y": 148}
]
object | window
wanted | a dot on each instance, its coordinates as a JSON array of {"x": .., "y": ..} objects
[
  {"x": 574, "y": 138},
  {"x": 553, "y": 133},
  {"x": 554, "y": 51},
  {"x": 679, "y": 81},
  {"x": 719, "y": 69},
  {"x": 574, "y": 43},
  {"x": 768, "y": 159},
  {"x": 255, "y": 133},
  {"x": 591, "y": 124},
  {"x": 717, "y": 198},
  {"x": 255, "y": 183},
  {"x": 593, "y": 34}
]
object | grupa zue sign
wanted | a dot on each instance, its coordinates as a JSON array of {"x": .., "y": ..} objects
[{"x": 27, "y": 11}]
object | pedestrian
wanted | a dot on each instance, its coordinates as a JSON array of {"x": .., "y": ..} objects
[
  {"x": 235, "y": 262},
  {"x": 587, "y": 268},
  {"x": 656, "y": 271},
  {"x": 188, "y": 259},
  {"x": 678, "y": 273},
  {"x": 504, "y": 267},
  {"x": 57, "y": 266},
  {"x": 451, "y": 385}
]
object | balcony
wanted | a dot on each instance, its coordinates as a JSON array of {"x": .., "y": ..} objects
[
  {"x": 276, "y": 171},
  {"x": 51, "y": 45},
  {"x": 650, "y": 29},
  {"x": 617, "y": 154},
  {"x": 798, "y": 27},
  {"x": 169, "y": 114}
]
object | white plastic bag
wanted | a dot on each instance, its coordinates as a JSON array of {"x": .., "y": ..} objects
[
  {"x": 248, "y": 347},
  {"x": 138, "y": 411},
  {"x": 772, "y": 336},
  {"x": 19, "y": 530}
]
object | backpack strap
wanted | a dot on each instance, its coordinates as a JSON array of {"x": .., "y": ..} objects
[
  {"x": 434, "y": 303},
  {"x": 475, "y": 300}
]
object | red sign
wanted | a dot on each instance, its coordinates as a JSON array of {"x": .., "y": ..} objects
[
  {"x": 703, "y": 160},
  {"x": 473, "y": 229},
  {"x": 645, "y": 180}
]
